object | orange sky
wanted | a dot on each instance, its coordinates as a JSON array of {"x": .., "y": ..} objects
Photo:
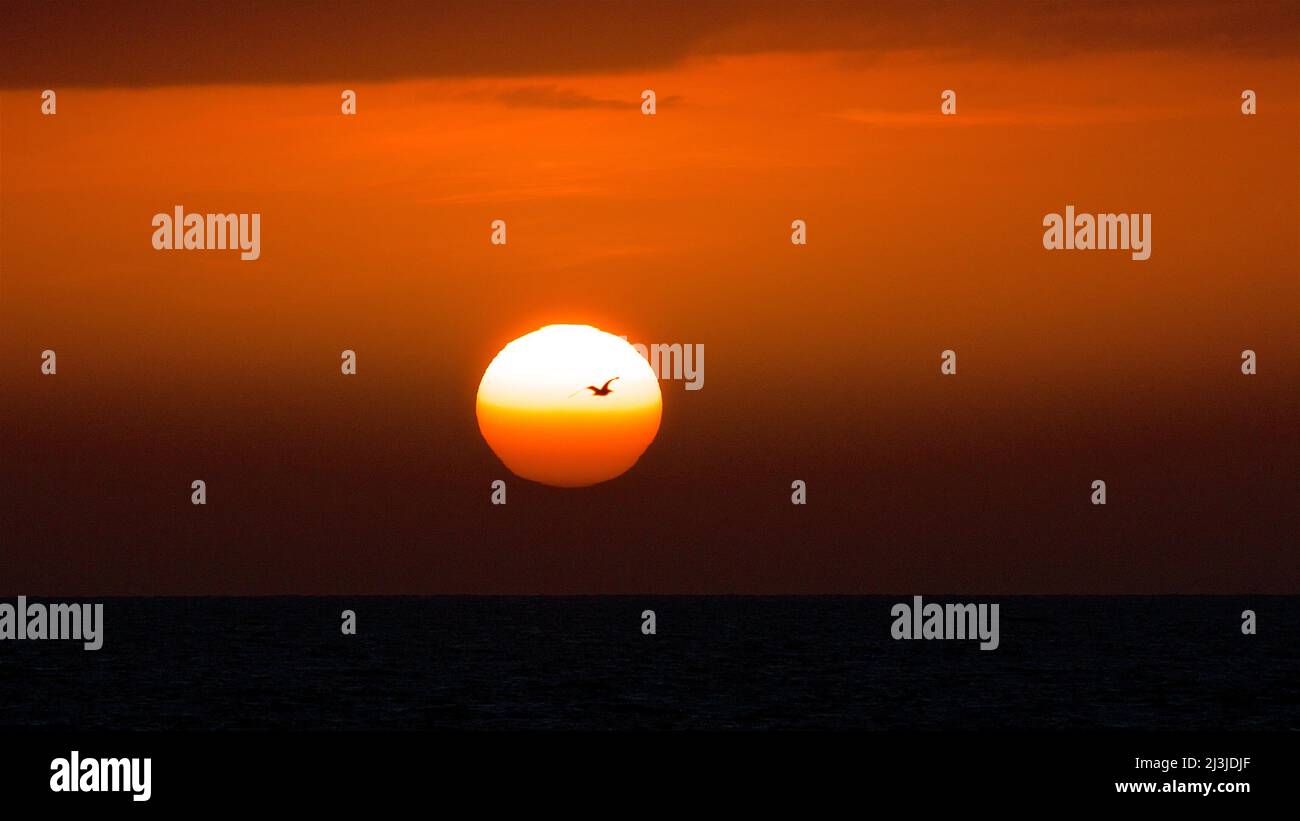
[{"x": 924, "y": 234}]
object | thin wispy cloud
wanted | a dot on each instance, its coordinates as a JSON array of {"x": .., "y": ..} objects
[
  {"x": 542, "y": 96},
  {"x": 1054, "y": 116}
]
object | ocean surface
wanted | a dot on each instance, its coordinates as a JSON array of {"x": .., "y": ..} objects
[{"x": 513, "y": 663}]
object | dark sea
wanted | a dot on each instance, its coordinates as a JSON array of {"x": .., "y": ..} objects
[{"x": 516, "y": 663}]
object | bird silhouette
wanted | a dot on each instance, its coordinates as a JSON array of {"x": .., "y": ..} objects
[{"x": 603, "y": 390}]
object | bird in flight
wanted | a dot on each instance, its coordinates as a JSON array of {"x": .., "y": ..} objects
[{"x": 603, "y": 390}]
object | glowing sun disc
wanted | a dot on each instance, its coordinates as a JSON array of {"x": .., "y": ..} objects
[{"x": 569, "y": 406}]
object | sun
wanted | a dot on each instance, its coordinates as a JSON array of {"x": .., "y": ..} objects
[{"x": 569, "y": 406}]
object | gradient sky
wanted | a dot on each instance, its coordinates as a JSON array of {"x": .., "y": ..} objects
[{"x": 821, "y": 361}]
